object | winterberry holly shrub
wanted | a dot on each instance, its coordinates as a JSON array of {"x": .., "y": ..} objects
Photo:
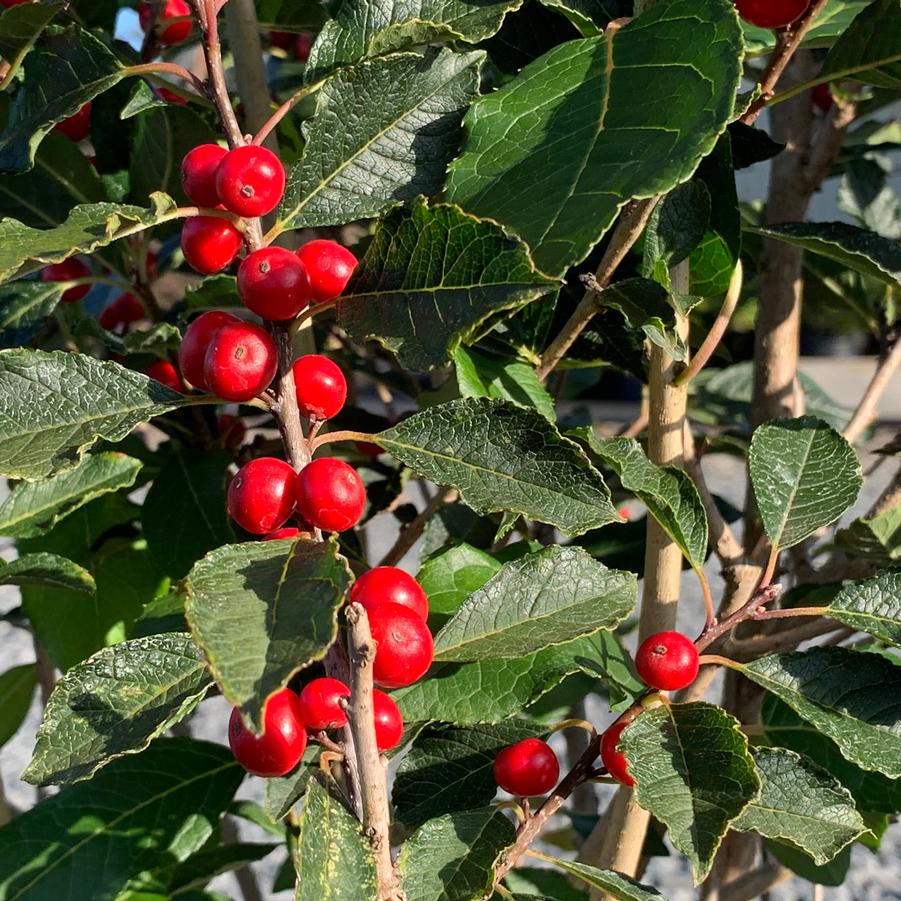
[{"x": 293, "y": 293}]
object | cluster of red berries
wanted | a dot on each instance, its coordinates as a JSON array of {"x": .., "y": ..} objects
[
  {"x": 168, "y": 33},
  {"x": 397, "y": 608},
  {"x": 771, "y": 13},
  {"x": 667, "y": 661}
]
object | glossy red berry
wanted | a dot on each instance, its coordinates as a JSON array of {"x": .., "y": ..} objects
[
  {"x": 329, "y": 265},
  {"x": 76, "y": 128},
  {"x": 388, "y": 584},
  {"x": 65, "y": 271},
  {"x": 124, "y": 310},
  {"x": 250, "y": 180},
  {"x": 240, "y": 361},
  {"x": 209, "y": 243},
  {"x": 279, "y": 749},
  {"x": 172, "y": 9},
  {"x": 612, "y": 758},
  {"x": 389, "y": 724},
  {"x": 260, "y": 496},
  {"x": 320, "y": 704},
  {"x": 165, "y": 373},
  {"x": 195, "y": 343},
  {"x": 302, "y": 46},
  {"x": 405, "y": 647},
  {"x": 771, "y": 13},
  {"x": 280, "y": 534},
  {"x": 321, "y": 386},
  {"x": 198, "y": 174},
  {"x": 330, "y": 494},
  {"x": 527, "y": 768},
  {"x": 668, "y": 661},
  {"x": 821, "y": 96},
  {"x": 273, "y": 283},
  {"x": 231, "y": 431}
]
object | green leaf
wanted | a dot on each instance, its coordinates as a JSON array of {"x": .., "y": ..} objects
[
  {"x": 876, "y": 539},
  {"x": 546, "y": 598},
  {"x": 850, "y": 697},
  {"x": 336, "y": 862},
  {"x": 452, "y": 858},
  {"x": 89, "y": 840},
  {"x": 693, "y": 772},
  {"x": 590, "y": 17},
  {"x": 200, "y": 868},
  {"x": 16, "y": 690},
  {"x": 159, "y": 339},
  {"x": 449, "y": 769},
  {"x": 184, "y": 515},
  {"x": 669, "y": 493},
  {"x": 801, "y": 804},
  {"x": 49, "y": 570},
  {"x": 31, "y": 508},
  {"x": 873, "y": 606},
  {"x": 261, "y": 611},
  {"x": 833, "y": 873},
  {"x": 281, "y": 793},
  {"x": 116, "y": 703},
  {"x": 831, "y": 22},
  {"x": 54, "y": 406},
  {"x": 870, "y": 50},
  {"x": 804, "y": 474},
  {"x": 451, "y": 576},
  {"x": 676, "y": 226},
  {"x": 383, "y": 133},
  {"x": 857, "y": 248},
  {"x": 504, "y": 458},
  {"x": 20, "y": 27},
  {"x": 24, "y": 306},
  {"x": 430, "y": 279},
  {"x": 66, "y": 69},
  {"x": 612, "y": 884},
  {"x": 562, "y": 194}
]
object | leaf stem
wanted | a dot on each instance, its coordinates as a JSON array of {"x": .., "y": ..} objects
[
  {"x": 312, "y": 310},
  {"x": 284, "y": 109},
  {"x": 169, "y": 69},
  {"x": 708, "y": 599},
  {"x": 332, "y": 437}
]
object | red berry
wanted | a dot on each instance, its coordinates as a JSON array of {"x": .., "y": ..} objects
[
  {"x": 389, "y": 724},
  {"x": 209, "y": 243},
  {"x": 279, "y": 749},
  {"x": 171, "y": 97},
  {"x": 260, "y": 498},
  {"x": 392, "y": 585},
  {"x": 527, "y": 768},
  {"x": 273, "y": 283},
  {"x": 151, "y": 264},
  {"x": 65, "y": 271},
  {"x": 76, "y": 128},
  {"x": 329, "y": 265},
  {"x": 168, "y": 34},
  {"x": 195, "y": 342},
  {"x": 250, "y": 180},
  {"x": 282, "y": 39},
  {"x": 821, "y": 96},
  {"x": 405, "y": 647},
  {"x": 321, "y": 386},
  {"x": 612, "y": 758},
  {"x": 198, "y": 174},
  {"x": 320, "y": 704},
  {"x": 240, "y": 361},
  {"x": 302, "y": 46},
  {"x": 164, "y": 372},
  {"x": 771, "y": 13},
  {"x": 330, "y": 494},
  {"x": 279, "y": 534},
  {"x": 124, "y": 310},
  {"x": 231, "y": 431},
  {"x": 668, "y": 661}
]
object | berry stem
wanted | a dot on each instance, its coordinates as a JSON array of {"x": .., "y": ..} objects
[{"x": 332, "y": 437}]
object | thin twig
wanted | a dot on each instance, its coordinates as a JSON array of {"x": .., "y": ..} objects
[
  {"x": 866, "y": 409},
  {"x": 750, "y": 610},
  {"x": 344, "y": 435},
  {"x": 169, "y": 69},
  {"x": 756, "y": 883},
  {"x": 411, "y": 532},
  {"x": 284, "y": 109}
]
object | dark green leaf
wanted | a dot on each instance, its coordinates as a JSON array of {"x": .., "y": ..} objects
[
  {"x": 49, "y": 570},
  {"x": 873, "y": 606},
  {"x": 833, "y": 873},
  {"x": 591, "y": 17},
  {"x": 164, "y": 614},
  {"x": 876, "y": 539},
  {"x": 529, "y": 883},
  {"x": 504, "y": 458},
  {"x": 20, "y": 27},
  {"x": 451, "y": 576},
  {"x": 676, "y": 226},
  {"x": 24, "y": 306},
  {"x": 159, "y": 339},
  {"x": 430, "y": 279},
  {"x": 751, "y": 145},
  {"x": 16, "y": 690},
  {"x": 612, "y": 884},
  {"x": 870, "y": 50},
  {"x": 281, "y": 793},
  {"x": 561, "y": 195},
  {"x": 263, "y": 610},
  {"x": 214, "y": 291},
  {"x": 200, "y": 868}
]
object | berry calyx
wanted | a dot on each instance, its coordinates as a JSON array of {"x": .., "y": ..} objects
[
  {"x": 612, "y": 758},
  {"x": 198, "y": 174},
  {"x": 240, "y": 361},
  {"x": 76, "y": 128},
  {"x": 668, "y": 661},
  {"x": 388, "y": 584},
  {"x": 389, "y": 724},
  {"x": 210, "y": 243},
  {"x": 329, "y": 266},
  {"x": 279, "y": 749},
  {"x": 321, "y": 386},
  {"x": 250, "y": 180},
  {"x": 404, "y": 648},
  {"x": 771, "y": 13},
  {"x": 273, "y": 283},
  {"x": 165, "y": 373},
  {"x": 330, "y": 494},
  {"x": 260, "y": 497},
  {"x": 124, "y": 310},
  {"x": 68, "y": 270},
  {"x": 279, "y": 534},
  {"x": 320, "y": 704},
  {"x": 172, "y": 9},
  {"x": 231, "y": 431},
  {"x": 195, "y": 342},
  {"x": 527, "y": 768}
]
